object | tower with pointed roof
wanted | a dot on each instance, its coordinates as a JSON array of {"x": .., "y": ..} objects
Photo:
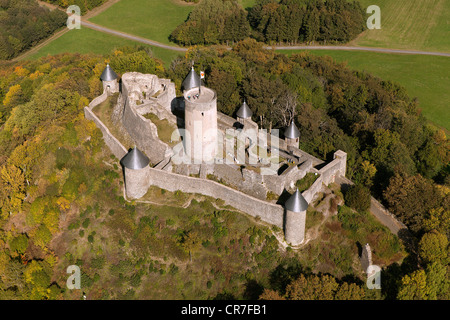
[
  {"x": 295, "y": 219},
  {"x": 292, "y": 135},
  {"x": 200, "y": 119},
  {"x": 244, "y": 113},
  {"x": 135, "y": 164},
  {"x": 109, "y": 79}
]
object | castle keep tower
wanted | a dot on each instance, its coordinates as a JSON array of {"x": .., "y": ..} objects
[
  {"x": 109, "y": 79},
  {"x": 200, "y": 118},
  {"x": 291, "y": 135},
  {"x": 294, "y": 230},
  {"x": 135, "y": 165}
]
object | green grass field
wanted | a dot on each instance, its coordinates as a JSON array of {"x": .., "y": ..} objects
[
  {"x": 424, "y": 77},
  {"x": 154, "y": 19},
  {"x": 86, "y": 40},
  {"x": 409, "y": 24}
]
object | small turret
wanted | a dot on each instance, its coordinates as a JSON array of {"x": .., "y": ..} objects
[
  {"x": 135, "y": 165},
  {"x": 109, "y": 79},
  {"x": 291, "y": 135},
  {"x": 244, "y": 113},
  {"x": 295, "y": 221},
  {"x": 135, "y": 160}
]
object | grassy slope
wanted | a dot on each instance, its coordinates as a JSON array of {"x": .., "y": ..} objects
[
  {"x": 410, "y": 24},
  {"x": 425, "y": 77},
  {"x": 87, "y": 40},
  {"x": 154, "y": 19}
]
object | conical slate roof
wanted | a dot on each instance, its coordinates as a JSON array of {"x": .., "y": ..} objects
[
  {"x": 135, "y": 160},
  {"x": 192, "y": 80},
  {"x": 108, "y": 74},
  {"x": 291, "y": 131},
  {"x": 244, "y": 111},
  {"x": 296, "y": 202}
]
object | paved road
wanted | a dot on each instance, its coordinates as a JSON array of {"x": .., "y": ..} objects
[
  {"x": 128, "y": 36},
  {"x": 97, "y": 27},
  {"x": 383, "y": 50}
]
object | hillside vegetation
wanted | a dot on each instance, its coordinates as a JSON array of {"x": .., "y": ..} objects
[
  {"x": 424, "y": 77},
  {"x": 61, "y": 192}
]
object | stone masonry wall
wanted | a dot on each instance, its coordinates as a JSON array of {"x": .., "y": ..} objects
[
  {"x": 268, "y": 212},
  {"x": 114, "y": 145},
  {"x": 142, "y": 131}
]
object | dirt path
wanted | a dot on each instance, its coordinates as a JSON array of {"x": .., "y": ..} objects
[{"x": 382, "y": 214}]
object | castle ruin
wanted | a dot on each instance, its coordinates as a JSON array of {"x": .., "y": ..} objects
[{"x": 216, "y": 155}]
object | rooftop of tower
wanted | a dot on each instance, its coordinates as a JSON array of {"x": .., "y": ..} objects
[{"x": 205, "y": 95}]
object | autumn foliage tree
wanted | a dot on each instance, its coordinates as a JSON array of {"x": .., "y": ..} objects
[
  {"x": 412, "y": 198},
  {"x": 24, "y": 23},
  {"x": 316, "y": 287}
]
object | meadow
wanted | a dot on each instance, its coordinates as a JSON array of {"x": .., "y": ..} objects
[
  {"x": 424, "y": 77},
  {"x": 86, "y": 40},
  {"x": 409, "y": 24},
  {"x": 153, "y": 20}
]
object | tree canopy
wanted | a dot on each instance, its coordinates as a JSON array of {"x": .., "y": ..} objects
[
  {"x": 24, "y": 23},
  {"x": 287, "y": 21}
]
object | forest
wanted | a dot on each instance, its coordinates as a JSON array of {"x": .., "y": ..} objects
[
  {"x": 85, "y": 5},
  {"x": 24, "y": 23},
  {"x": 61, "y": 200},
  {"x": 272, "y": 21}
]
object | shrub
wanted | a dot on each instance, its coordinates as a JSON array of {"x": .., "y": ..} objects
[
  {"x": 358, "y": 198},
  {"x": 98, "y": 263},
  {"x": 19, "y": 244},
  {"x": 86, "y": 223},
  {"x": 173, "y": 269}
]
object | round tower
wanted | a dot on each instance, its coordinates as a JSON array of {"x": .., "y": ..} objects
[
  {"x": 292, "y": 135},
  {"x": 135, "y": 165},
  {"x": 294, "y": 228},
  {"x": 200, "y": 119},
  {"x": 109, "y": 79}
]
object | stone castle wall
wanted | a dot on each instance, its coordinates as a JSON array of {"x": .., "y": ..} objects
[
  {"x": 113, "y": 144},
  {"x": 157, "y": 96},
  {"x": 268, "y": 212},
  {"x": 143, "y": 132}
]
